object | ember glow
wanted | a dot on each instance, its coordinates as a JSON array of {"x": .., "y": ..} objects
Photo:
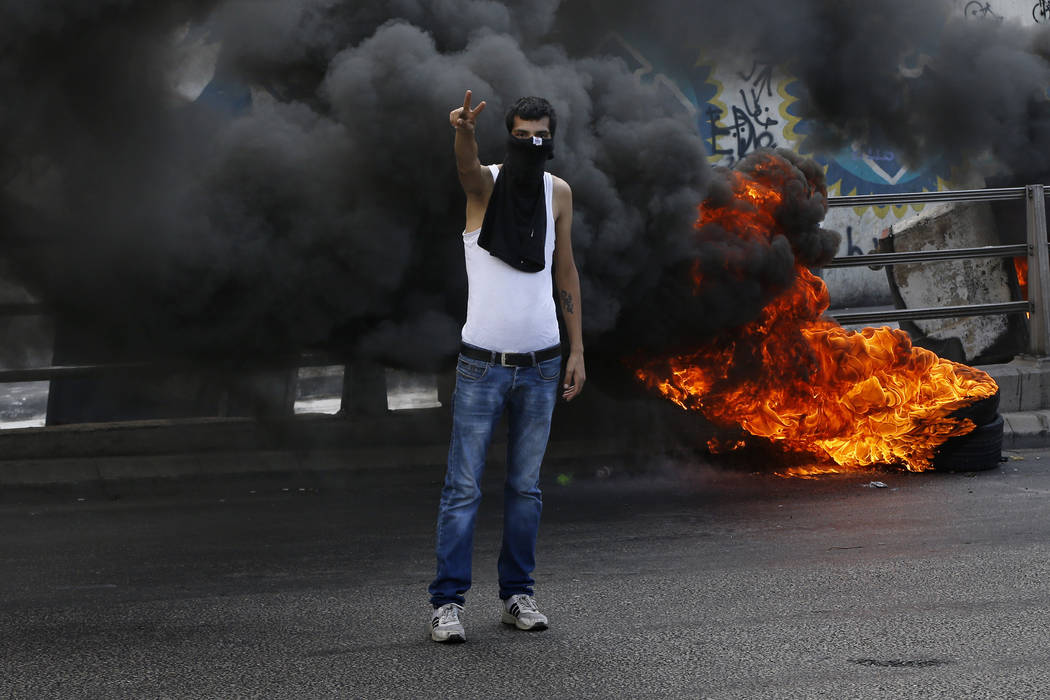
[
  {"x": 846, "y": 399},
  {"x": 1021, "y": 269}
]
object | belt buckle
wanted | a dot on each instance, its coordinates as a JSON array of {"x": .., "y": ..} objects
[{"x": 503, "y": 359}]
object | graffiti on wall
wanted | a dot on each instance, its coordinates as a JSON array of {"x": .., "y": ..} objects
[
  {"x": 975, "y": 9},
  {"x": 1041, "y": 11},
  {"x": 763, "y": 110},
  {"x": 999, "y": 11},
  {"x": 752, "y": 118},
  {"x": 742, "y": 107}
]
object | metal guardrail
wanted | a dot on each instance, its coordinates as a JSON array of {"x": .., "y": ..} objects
[
  {"x": 1036, "y": 249},
  {"x": 1006, "y": 307},
  {"x": 43, "y": 374},
  {"x": 1038, "y": 306},
  {"x": 1038, "y": 272},
  {"x": 989, "y": 251},
  {"x": 992, "y": 194}
]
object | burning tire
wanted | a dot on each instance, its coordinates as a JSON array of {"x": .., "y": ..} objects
[
  {"x": 980, "y": 412},
  {"x": 788, "y": 374},
  {"x": 975, "y": 451},
  {"x": 980, "y": 449}
]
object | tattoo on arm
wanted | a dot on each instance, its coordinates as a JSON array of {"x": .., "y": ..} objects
[{"x": 566, "y": 301}]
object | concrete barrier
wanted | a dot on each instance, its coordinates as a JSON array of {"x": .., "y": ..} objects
[
  {"x": 966, "y": 339},
  {"x": 1024, "y": 384}
]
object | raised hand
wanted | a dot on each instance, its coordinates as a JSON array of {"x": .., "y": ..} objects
[{"x": 464, "y": 117}]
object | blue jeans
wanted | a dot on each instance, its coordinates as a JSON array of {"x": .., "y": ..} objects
[{"x": 482, "y": 392}]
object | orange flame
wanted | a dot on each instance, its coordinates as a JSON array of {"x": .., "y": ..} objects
[
  {"x": 793, "y": 377},
  {"x": 1021, "y": 268}
]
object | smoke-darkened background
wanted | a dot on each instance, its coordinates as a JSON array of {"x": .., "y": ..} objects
[{"x": 309, "y": 198}]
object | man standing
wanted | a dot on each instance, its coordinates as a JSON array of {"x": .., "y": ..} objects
[{"x": 517, "y": 234}]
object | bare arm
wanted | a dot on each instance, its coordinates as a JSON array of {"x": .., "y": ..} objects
[
  {"x": 471, "y": 175},
  {"x": 567, "y": 283}
]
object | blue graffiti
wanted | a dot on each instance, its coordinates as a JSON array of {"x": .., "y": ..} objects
[{"x": 732, "y": 131}]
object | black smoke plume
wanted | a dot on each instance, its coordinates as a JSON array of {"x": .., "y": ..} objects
[
  {"x": 740, "y": 274},
  {"x": 327, "y": 213},
  {"x": 923, "y": 78}
]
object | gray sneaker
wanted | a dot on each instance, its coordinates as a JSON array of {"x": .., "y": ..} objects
[
  {"x": 445, "y": 625},
  {"x": 521, "y": 611}
]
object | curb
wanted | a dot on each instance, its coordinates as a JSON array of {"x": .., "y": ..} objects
[
  {"x": 325, "y": 463},
  {"x": 1026, "y": 430},
  {"x": 160, "y": 451}
]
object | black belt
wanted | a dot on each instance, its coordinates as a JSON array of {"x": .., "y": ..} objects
[{"x": 510, "y": 359}]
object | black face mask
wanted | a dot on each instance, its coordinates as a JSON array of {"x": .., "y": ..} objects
[
  {"x": 526, "y": 159},
  {"x": 515, "y": 225}
]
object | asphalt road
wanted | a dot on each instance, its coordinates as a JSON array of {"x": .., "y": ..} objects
[{"x": 688, "y": 582}]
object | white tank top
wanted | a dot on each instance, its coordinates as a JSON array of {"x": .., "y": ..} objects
[{"x": 509, "y": 310}]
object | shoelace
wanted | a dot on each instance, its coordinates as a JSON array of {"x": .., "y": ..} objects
[
  {"x": 449, "y": 615},
  {"x": 527, "y": 603}
]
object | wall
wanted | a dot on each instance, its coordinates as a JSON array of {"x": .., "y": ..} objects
[{"x": 741, "y": 104}]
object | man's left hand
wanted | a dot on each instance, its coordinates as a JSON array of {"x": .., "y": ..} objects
[{"x": 575, "y": 376}]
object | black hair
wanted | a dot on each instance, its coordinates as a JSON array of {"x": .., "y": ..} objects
[{"x": 531, "y": 108}]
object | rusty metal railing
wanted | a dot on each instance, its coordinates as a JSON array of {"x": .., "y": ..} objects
[{"x": 1036, "y": 249}]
